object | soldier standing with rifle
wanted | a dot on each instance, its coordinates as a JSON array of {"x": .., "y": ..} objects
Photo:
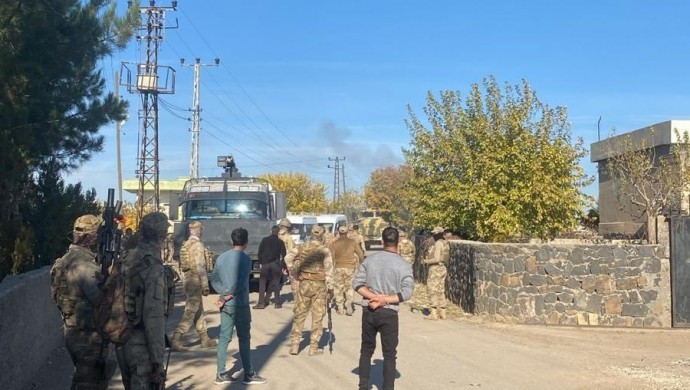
[
  {"x": 312, "y": 264},
  {"x": 195, "y": 282},
  {"x": 75, "y": 280},
  {"x": 142, "y": 357}
]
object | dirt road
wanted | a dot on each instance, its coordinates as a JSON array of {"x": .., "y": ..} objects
[{"x": 462, "y": 353}]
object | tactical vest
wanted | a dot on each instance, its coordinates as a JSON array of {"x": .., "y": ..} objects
[
  {"x": 311, "y": 262},
  {"x": 134, "y": 289},
  {"x": 67, "y": 296}
]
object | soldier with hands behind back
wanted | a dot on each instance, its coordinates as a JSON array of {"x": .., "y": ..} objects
[
  {"x": 75, "y": 280},
  {"x": 347, "y": 255},
  {"x": 195, "y": 283}
]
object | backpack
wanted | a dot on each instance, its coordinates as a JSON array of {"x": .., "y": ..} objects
[
  {"x": 59, "y": 288},
  {"x": 110, "y": 312}
]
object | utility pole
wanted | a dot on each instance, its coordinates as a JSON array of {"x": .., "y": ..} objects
[
  {"x": 196, "y": 116},
  {"x": 149, "y": 80},
  {"x": 336, "y": 177},
  {"x": 343, "y": 173},
  {"x": 118, "y": 131}
]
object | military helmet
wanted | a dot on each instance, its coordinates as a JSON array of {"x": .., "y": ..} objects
[
  {"x": 154, "y": 225},
  {"x": 285, "y": 223},
  {"x": 87, "y": 224},
  {"x": 195, "y": 225}
]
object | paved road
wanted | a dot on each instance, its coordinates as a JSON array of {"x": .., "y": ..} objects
[{"x": 462, "y": 353}]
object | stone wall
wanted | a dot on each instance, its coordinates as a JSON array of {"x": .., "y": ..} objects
[
  {"x": 600, "y": 285},
  {"x": 30, "y": 326}
]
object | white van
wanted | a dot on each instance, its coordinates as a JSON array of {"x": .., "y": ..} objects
[
  {"x": 300, "y": 228},
  {"x": 331, "y": 222}
]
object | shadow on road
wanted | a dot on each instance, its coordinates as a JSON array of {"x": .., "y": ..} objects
[{"x": 376, "y": 378}]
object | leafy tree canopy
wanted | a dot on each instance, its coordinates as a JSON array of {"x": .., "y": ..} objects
[
  {"x": 301, "y": 192},
  {"x": 388, "y": 190},
  {"x": 496, "y": 165}
]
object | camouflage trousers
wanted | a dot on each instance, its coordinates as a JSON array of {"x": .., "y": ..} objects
[
  {"x": 134, "y": 362},
  {"x": 344, "y": 294},
  {"x": 312, "y": 298},
  {"x": 84, "y": 348},
  {"x": 294, "y": 286},
  {"x": 436, "y": 285},
  {"x": 194, "y": 308}
]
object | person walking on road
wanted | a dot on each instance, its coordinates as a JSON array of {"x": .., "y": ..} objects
[
  {"x": 195, "y": 283},
  {"x": 74, "y": 283},
  {"x": 313, "y": 265},
  {"x": 384, "y": 280},
  {"x": 347, "y": 255},
  {"x": 271, "y": 254},
  {"x": 436, "y": 258},
  {"x": 231, "y": 279}
]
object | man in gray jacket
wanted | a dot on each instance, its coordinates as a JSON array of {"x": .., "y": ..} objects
[{"x": 385, "y": 280}]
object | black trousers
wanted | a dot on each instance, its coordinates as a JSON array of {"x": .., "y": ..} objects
[
  {"x": 269, "y": 277},
  {"x": 384, "y": 321}
]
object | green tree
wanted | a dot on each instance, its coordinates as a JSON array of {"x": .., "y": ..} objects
[
  {"x": 498, "y": 165},
  {"x": 52, "y": 101},
  {"x": 301, "y": 192},
  {"x": 349, "y": 204},
  {"x": 388, "y": 190}
]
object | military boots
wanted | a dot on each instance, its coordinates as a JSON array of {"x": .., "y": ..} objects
[
  {"x": 176, "y": 343},
  {"x": 315, "y": 351},
  {"x": 294, "y": 348},
  {"x": 207, "y": 342},
  {"x": 442, "y": 313}
]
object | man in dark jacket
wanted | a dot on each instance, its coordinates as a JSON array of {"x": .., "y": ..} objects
[{"x": 271, "y": 255}]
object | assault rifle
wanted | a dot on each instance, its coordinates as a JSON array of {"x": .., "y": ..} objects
[
  {"x": 109, "y": 236},
  {"x": 330, "y": 323}
]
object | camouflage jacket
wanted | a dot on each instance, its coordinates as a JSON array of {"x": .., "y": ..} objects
[
  {"x": 439, "y": 253},
  {"x": 407, "y": 250},
  {"x": 311, "y": 258},
  {"x": 193, "y": 260},
  {"x": 147, "y": 297},
  {"x": 346, "y": 253},
  {"x": 75, "y": 279},
  {"x": 287, "y": 239},
  {"x": 358, "y": 239}
]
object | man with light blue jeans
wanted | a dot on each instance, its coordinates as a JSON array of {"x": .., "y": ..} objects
[{"x": 231, "y": 279}]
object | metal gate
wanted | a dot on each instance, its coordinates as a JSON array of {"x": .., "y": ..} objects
[{"x": 680, "y": 271}]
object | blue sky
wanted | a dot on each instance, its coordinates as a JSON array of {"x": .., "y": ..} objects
[{"x": 301, "y": 81}]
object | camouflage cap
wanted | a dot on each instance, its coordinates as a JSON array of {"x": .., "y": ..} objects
[
  {"x": 87, "y": 224},
  {"x": 437, "y": 230},
  {"x": 317, "y": 231},
  {"x": 154, "y": 225},
  {"x": 195, "y": 225},
  {"x": 284, "y": 223}
]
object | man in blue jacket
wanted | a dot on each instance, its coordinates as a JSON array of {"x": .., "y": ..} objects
[{"x": 231, "y": 279}]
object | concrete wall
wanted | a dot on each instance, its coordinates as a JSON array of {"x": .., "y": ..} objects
[
  {"x": 30, "y": 326},
  {"x": 599, "y": 285}
]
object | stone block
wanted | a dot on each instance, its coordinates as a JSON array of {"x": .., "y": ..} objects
[
  {"x": 566, "y": 297},
  {"x": 589, "y": 283},
  {"x": 553, "y": 318},
  {"x": 550, "y": 298},
  {"x": 577, "y": 256},
  {"x": 599, "y": 268},
  {"x": 538, "y": 305},
  {"x": 573, "y": 283},
  {"x": 568, "y": 320},
  {"x": 560, "y": 307},
  {"x": 613, "y": 305},
  {"x": 526, "y": 306},
  {"x": 638, "y": 322},
  {"x": 505, "y": 280},
  {"x": 632, "y": 272},
  {"x": 494, "y": 277},
  {"x": 543, "y": 254},
  {"x": 552, "y": 270},
  {"x": 515, "y": 281},
  {"x": 605, "y": 253},
  {"x": 648, "y": 296},
  {"x": 555, "y": 280},
  {"x": 498, "y": 268},
  {"x": 519, "y": 265},
  {"x": 653, "y": 266},
  {"x": 531, "y": 265},
  {"x": 537, "y": 280},
  {"x": 619, "y": 253},
  {"x": 641, "y": 281},
  {"x": 594, "y": 303},
  {"x": 548, "y": 308},
  {"x": 646, "y": 251},
  {"x": 634, "y": 310},
  {"x": 582, "y": 318},
  {"x": 531, "y": 290},
  {"x": 567, "y": 269},
  {"x": 593, "y": 319},
  {"x": 540, "y": 270},
  {"x": 580, "y": 270},
  {"x": 626, "y": 284},
  {"x": 556, "y": 289},
  {"x": 635, "y": 262},
  {"x": 503, "y": 298},
  {"x": 634, "y": 297},
  {"x": 647, "y": 322},
  {"x": 509, "y": 266},
  {"x": 604, "y": 284}
]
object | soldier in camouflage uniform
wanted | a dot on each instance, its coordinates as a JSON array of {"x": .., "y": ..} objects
[
  {"x": 313, "y": 265},
  {"x": 168, "y": 249},
  {"x": 355, "y": 235},
  {"x": 75, "y": 282},
  {"x": 195, "y": 282},
  {"x": 347, "y": 256},
  {"x": 406, "y": 248},
  {"x": 436, "y": 258},
  {"x": 284, "y": 235},
  {"x": 141, "y": 358}
]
